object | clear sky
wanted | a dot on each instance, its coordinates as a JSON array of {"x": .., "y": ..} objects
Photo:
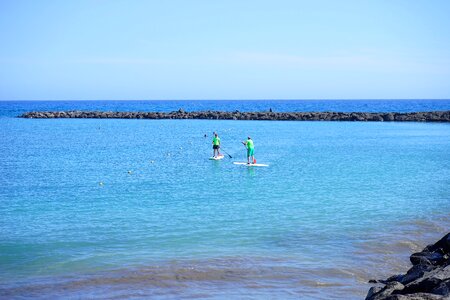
[{"x": 211, "y": 49}]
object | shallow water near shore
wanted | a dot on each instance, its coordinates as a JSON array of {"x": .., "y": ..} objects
[{"x": 134, "y": 208}]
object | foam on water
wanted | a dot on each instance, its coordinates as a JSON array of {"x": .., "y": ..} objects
[{"x": 252, "y": 276}]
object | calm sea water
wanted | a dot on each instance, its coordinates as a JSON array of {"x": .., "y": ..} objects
[{"x": 134, "y": 208}]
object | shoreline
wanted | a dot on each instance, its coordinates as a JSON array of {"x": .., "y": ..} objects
[
  {"x": 429, "y": 116},
  {"x": 428, "y": 278},
  {"x": 162, "y": 277}
]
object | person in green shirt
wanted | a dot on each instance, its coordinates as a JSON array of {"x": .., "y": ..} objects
[
  {"x": 216, "y": 145},
  {"x": 250, "y": 150}
]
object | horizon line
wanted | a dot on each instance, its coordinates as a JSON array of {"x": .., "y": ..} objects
[{"x": 288, "y": 99}]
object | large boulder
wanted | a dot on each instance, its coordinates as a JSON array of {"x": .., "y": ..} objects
[{"x": 428, "y": 278}]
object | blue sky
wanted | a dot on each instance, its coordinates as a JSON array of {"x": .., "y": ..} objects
[{"x": 209, "y": 49}]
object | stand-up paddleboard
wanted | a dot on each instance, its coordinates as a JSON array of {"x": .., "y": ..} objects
[
  {"x": 249, "y": 165},
  {"x": 216, "y": 157}
]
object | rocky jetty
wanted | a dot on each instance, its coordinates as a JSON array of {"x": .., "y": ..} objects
[
  {"x": 428, "y": 278},
  {"x": 431, "y": 116}
]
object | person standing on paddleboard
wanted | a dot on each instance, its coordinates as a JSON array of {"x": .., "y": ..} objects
[
  {"x": 250, "y": 150},
  {"x": 216, "y": 145}
]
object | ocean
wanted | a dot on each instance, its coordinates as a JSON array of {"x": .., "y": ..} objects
[{"x": 127, "y": 209}]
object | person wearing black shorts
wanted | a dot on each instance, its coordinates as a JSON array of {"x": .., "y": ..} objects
[{"x": 216, "y": 145}]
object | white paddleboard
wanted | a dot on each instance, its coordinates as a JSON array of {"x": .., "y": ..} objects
[
  {"x": 249, "y": 165},
  {"x": 217, "y": 157}
]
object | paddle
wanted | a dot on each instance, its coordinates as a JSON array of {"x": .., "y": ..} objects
[{"x": 226, "y": 153}]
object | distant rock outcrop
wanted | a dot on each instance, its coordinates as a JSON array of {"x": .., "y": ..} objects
[
  {"x": 428, "y": 278},
  {"x": 431, "y": 116}
]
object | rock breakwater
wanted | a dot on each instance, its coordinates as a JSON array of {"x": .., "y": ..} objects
[
  {"x": 431, "y": 116},
  {"x": 428, "y": 278}
]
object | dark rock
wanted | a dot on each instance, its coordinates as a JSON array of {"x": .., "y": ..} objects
[
  {"x": 422, "y": 285},
  {"x": 443, "y": 244},
  {"x": 399, "y": 278},
  {"x": 415, "y": 272},
  {"x": 382, "y": 293},
  {"x": 426, "y": 257},
  {"x": 443, "y": 288},
  {"x": 388, "y": 117},
  {"x": 373, "y": 291},
  {"x": 377, "y": 118},
  {"x": 418, "y": 296},
  {"x": 433, "y": 116},
  {"x": 428, "y": 278},
  {"x": 375, "y": 281}
]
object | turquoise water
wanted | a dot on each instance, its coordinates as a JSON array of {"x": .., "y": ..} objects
[{"x": 134, "y": 208}]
